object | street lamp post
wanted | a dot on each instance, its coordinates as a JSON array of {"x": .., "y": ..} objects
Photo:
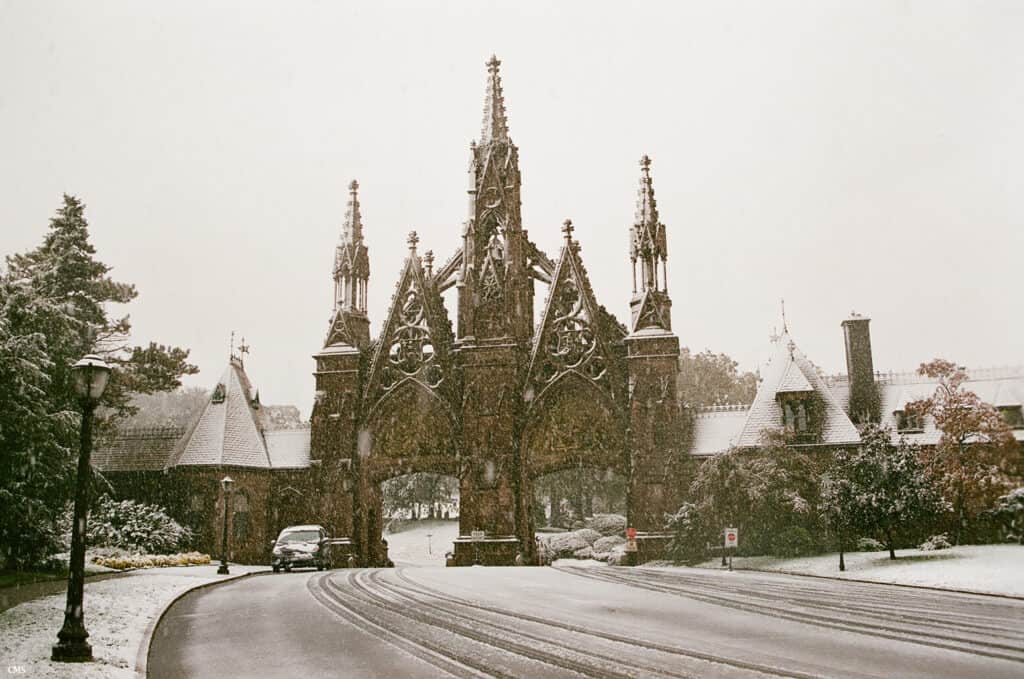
[
  {"x": 90, "y": 378},
  {"x": 226, "y": 483}
]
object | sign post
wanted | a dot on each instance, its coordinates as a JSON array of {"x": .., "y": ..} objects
[
  {"x": 477, "y": 536},
  {"x": 732, "y": 541}
]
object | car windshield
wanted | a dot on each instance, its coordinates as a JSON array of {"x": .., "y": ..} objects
[{"x": 300, "y": 536}]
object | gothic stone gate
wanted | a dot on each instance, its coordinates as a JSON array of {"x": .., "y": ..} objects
[{"x": 497, "y": 403}]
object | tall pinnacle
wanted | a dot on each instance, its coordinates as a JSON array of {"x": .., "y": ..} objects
[
  {"x": 648, "y": 247},
  {"x": 352, "y": 231},
  {"x": 495, "y": 127},
  {"x": 646, "y": 205}
]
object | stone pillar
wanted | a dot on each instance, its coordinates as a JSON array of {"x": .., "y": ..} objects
[
  {"x": 333, "y": 439},
  {"x": 656, "y": 435},
  {"x": 490, "y": 408}
]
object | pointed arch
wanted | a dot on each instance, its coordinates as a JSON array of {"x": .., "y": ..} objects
[
  {"x": 573, "y": 422},
  {"x": 410, "y": 429}
]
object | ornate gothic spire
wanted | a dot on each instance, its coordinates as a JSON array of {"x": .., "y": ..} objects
[
  {"x": 495, "y": 127},
  {"x": 647, "y": 236},
  {"x": 349, "y": 324},
  {"x": 648, "y": 245}
]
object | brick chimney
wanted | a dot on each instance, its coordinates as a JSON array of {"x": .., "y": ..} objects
[{"x": 864, "y": 406}]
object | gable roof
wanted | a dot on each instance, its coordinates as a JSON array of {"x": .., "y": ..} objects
[{"x": 788, "y": 370}]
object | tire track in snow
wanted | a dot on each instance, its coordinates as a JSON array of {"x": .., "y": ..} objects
[
  {"x": 677, "y": 651},
  {"x": 708, "y": 592}
]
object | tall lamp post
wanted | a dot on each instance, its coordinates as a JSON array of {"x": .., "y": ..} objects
[
  {"x": 226, "y": 483},
  {"x": 90, "y": 378}
]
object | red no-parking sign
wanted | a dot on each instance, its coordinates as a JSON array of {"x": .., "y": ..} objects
[{"x": 732, "y": 537}]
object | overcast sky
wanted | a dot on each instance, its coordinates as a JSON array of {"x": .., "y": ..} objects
[{"x": 843, "y": 156}]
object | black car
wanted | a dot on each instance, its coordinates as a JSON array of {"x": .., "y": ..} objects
[{"x": 301, "y": 546}]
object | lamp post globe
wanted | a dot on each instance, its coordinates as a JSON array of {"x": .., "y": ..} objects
[
  {"x": 226, "y": 485},
  {"x": 90, "y": 376}
]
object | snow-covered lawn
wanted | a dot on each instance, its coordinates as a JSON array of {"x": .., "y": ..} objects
[
  {"x": 412, "y": 547},
  {"x": 117, "y": 613},
  {"x": 990, "y": 569}
]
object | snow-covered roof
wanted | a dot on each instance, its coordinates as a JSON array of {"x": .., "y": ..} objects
[
  {"x": 1002, "y": 387},
  {"x": 137, "y": 449},
  {"x": 288, "y": 448},
  {"x": 227, "y": 432},
  {"x": 716, "y": 428}
]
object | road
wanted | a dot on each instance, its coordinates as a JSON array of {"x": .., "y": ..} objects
[{"x": 582, "y": 621}]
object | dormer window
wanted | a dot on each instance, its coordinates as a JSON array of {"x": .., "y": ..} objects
[
  {"x": 1013, "y": 416},
  {"x": 798, "y": 416},
  {"x": 795, "y": 415},
  {"x": 908, "y": 422}
]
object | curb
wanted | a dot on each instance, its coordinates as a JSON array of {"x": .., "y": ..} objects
[
  {"x": 836, "y": 578},
  {"x": 142, "y": 656}
]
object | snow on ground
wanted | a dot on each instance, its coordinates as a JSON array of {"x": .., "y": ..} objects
[
  {"x": 412, "y": 547},
  {"x": 988, "y": 569},
  {"x": 117, "y": 613}
]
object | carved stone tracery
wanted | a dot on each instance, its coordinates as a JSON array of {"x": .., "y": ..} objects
[
  {"x": 570, "y": 341},
  {"x": 410, "y": 350}
]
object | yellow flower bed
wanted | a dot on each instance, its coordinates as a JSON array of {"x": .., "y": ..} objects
[{"x": 152, "y": 560}]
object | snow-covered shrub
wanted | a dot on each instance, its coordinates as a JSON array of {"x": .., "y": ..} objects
[
  {"x": 793, "y": 541},
  {"x": 585, "y": 553},
  {"x": 608, "y": 524},
  {"x": 589, "y": 534},
  {"x": 563, "y": 545},
  {"x": 689, "y": 534},
  {"x": 869, "y": 545},
  {"x": 608, "y": 543},
  {"x": 940, "y": 541},
  {"x": 1009, "y": 512},
  {"x": 133, "y": 526}
]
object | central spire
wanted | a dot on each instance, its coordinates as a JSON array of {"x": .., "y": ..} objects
[
  {"x": 496, "y": 291},
  {"x": 495, "y": 127}
]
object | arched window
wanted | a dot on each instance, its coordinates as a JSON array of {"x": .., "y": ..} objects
[{"x": 240, "y": 518}]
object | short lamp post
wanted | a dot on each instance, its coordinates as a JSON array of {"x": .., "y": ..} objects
[
  {"x": 91, "y": 375},
  {"x": 226, "y": 484}
]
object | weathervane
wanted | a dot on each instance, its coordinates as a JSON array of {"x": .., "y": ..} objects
[{"x": 243, "y": 349}]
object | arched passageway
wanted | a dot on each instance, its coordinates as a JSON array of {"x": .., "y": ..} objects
[{"x": 420, "y": 518}]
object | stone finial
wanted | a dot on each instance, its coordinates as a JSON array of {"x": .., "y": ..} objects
[
  {"x": 645, "y": 163},
  {"x": 412, "y": 240},
  {"x": 353, "y": 186},
  {"x": 567, "y": 229},
  {"x": 428, "y": 261}
]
